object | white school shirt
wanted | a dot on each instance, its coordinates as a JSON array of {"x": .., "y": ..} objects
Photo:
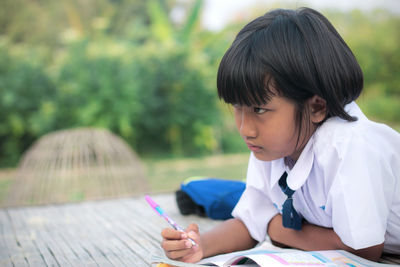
[{"x": 346, "y": 178}]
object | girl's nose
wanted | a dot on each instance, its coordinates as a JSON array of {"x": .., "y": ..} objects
[{"x": 247, "y": 128}]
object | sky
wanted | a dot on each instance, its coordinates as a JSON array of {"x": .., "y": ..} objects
[{"x": 218, "y": 13}]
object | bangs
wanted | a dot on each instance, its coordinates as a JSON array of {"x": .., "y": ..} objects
[
  {"x": 242, "y": 78},
  {"x": 294, "y": 54}
]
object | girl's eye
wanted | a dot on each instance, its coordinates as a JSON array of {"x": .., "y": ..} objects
[{"x": 260, "y": 110}]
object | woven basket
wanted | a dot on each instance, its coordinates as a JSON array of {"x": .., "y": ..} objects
[{"x": 74, "y": 165}]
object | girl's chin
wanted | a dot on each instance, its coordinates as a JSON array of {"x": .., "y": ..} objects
[{"x": 263, "y": 156}]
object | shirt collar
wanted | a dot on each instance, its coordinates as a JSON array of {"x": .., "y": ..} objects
[
  {"x": 277, "y": 168},
  {"x": 354, "y": 110},
  {"x": 300, "y": 171}
]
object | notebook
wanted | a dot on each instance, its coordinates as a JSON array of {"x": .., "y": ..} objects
[{"x": 260, "y": 256}]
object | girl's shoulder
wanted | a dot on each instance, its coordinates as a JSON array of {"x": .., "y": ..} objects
[{"x": 363, "y": 135}]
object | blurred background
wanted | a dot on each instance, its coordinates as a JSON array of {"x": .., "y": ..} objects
[{"x": 146, "y": 72}]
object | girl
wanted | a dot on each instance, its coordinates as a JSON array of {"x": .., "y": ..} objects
[{"x": 321, "y": 175}]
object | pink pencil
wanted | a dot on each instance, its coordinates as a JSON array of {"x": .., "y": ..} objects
[{"x": 161, "y": 212}]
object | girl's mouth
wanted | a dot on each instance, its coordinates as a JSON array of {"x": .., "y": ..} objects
[{"x": 253, "y": 147}]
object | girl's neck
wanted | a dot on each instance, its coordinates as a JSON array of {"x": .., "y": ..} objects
[{"x": 289, "y": 161}]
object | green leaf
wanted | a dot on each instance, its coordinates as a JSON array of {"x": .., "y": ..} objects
[
  {"x": 160, "y": 25},
  {"x": 191, "y": 21}
]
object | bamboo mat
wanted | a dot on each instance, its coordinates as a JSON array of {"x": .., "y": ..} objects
[{"x": 120, "y": 232}]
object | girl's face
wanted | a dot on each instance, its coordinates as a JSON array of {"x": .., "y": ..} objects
[{"x": 269, "y": 130}]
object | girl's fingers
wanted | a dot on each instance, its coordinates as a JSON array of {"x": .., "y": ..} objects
[
  {"x": 189, "y": 257},
  {"x": 169, "y": 233},
  {"x": 192, "y": 227},
  {"x": 193, "y": 232},
  {"x": 194, "y": 236},
  {"x": 176, "y": 245},
  {"x": 179, "y": 254}
]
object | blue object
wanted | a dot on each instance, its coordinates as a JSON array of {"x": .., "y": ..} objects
[
  {"x": 218, "y": 197},
  {"x": 290, "y": 218}
]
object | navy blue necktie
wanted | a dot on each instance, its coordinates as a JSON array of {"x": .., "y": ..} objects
[{"x": 290, "y": 218}]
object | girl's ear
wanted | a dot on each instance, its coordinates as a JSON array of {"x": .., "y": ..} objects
[{"x": 317, "y": 107}]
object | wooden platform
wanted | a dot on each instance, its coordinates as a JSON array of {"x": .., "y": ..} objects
[{"x": 120, "y": 232}]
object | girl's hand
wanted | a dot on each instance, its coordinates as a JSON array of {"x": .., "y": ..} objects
[{"x": 177, "y": 246}]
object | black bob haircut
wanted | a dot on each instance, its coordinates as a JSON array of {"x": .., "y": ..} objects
[{"x": 300, "y": 54}]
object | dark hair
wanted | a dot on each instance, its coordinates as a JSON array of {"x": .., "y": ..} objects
[{"x": 300, "y": 54}]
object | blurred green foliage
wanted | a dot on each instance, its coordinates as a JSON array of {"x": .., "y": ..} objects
[
  {"x": 129, "y": 67},
  {"x": 375, "y": 40},
  {"x": 26, "y": 104}
]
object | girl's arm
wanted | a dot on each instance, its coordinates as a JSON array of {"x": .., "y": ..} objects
[
  {"x": 312, "y": 237},
  {"x": 231, "y": 235}
]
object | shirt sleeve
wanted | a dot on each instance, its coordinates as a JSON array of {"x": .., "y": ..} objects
[
  {"x": 255, "y": 209},
  {"x": 361, "y": 193}
]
